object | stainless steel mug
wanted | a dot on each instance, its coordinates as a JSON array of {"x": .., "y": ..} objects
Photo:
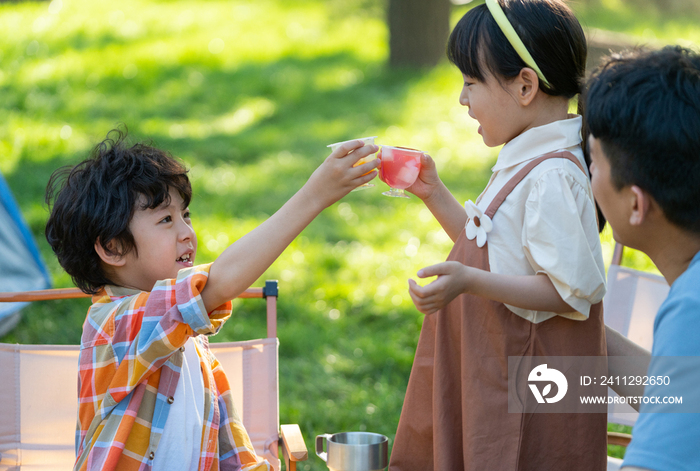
[{"x": 354, "y": 451}]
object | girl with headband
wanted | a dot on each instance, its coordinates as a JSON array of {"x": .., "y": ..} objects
[{"x": 526, "y": 276}]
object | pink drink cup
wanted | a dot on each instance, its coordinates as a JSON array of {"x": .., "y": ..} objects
[{"x": 400, "y": 166}]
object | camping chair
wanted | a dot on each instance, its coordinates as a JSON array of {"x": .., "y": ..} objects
[
  {"x": 630, "y": 305},
  {"x": 38, "y": 394}
]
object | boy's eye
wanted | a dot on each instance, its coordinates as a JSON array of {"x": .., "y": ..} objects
[
  {"x": 166, "y": 219},
  {"x": 186, "y": 215}
]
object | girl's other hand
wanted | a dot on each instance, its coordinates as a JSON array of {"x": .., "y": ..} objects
[
  {"x": 428, "y": 180},
  {"x": 453, "y": 279}
]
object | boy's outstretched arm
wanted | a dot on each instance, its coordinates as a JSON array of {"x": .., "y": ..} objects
[{"x": 246, "y": 260}]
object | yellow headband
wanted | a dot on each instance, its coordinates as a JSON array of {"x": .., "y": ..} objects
[{"x": 513, "y": 38}]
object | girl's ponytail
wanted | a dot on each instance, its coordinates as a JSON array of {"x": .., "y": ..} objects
[{"x": 581, "y": 110}]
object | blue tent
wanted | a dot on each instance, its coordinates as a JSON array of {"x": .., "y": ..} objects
[{"x": 21, "y": 265}]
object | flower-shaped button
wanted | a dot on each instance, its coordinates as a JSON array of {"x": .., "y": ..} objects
[{"x": 478, "y": 224}]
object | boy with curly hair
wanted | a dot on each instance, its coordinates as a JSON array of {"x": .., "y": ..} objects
[{"x": 151, "y": 394}]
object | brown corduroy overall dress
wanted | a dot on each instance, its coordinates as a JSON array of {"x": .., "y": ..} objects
[{"x": 455, "y": 413}]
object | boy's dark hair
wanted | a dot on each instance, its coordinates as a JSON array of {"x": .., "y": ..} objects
[
  {"x": 549, "y": 30},
  {"x": 97, "y": 198},
  {"x": 644, "y": 107}
]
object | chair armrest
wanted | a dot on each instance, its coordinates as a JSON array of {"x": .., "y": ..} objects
[
  {"x": 293, "y": 446},
  {"x": 617, "y": 438}
]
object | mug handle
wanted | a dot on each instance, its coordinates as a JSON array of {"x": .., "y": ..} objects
[{"x": 319, "y": 446}]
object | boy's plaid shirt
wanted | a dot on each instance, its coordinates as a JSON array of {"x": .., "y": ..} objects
[{"x": 130, "y": 358}]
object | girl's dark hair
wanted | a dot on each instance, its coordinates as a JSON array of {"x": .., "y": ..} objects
[
  {"x": 97, "y": 198},
  {"x": 550, "y": 32}
]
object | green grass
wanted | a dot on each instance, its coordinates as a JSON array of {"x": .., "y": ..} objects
[
  {"x": 249, "y": 94},
  {"x": 646, "y": 21}
]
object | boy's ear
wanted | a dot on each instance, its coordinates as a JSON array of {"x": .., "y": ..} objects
[
  {"x": 528, "y": 83},
  {"x": 641, "y": 204},
  {"x": 110, "y": 254}
]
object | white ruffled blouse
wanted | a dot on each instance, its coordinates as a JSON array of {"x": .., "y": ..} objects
[{"x": 548, "y": 223}]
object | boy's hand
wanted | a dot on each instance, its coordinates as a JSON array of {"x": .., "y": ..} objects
[
  {"x": 428, "y": 179},
  {"x": 336, "y": 176},
  {"x": 453, "y": 279}
]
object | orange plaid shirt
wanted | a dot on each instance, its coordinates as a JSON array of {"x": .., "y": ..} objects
[{"x": 130, "y": 359}]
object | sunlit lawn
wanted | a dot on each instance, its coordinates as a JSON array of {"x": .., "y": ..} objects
[
  {"x": 248, "y": 94},
  {"x": 643, "y": 20}
]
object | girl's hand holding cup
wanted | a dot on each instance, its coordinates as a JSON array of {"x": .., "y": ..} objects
[{"x": 428, "y": 180}]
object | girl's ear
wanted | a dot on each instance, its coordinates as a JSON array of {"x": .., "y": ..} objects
[
  {"x": 528, "y": 83},
  {"x": 110, "y": 254}
]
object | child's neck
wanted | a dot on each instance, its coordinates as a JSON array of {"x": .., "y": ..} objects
[{"x": 548, "y": 109}]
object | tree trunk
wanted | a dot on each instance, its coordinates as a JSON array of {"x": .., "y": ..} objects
[{"x": 418, "y": 32}]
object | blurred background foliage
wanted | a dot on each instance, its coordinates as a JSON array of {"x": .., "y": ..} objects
[{"x": 249, "y": 93}]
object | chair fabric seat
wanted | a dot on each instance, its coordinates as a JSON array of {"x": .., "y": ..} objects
[{"x": 38, "y": 400}]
